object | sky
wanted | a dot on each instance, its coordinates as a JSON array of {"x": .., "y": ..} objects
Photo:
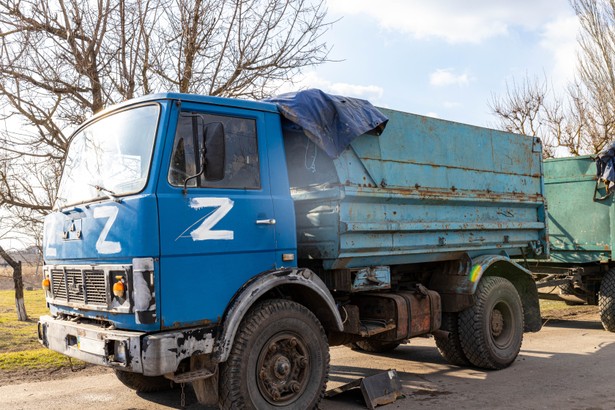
[{"x": 444, "y": 58}]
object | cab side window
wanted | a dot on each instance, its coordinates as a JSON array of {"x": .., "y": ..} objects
[{"x": 241, "y": 165}]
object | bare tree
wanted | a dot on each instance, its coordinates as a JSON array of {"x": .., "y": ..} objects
[
  {"x": 63, "y": 60},
  {"x": 237, "y": 48},
  {"x": 20, "y": 306},
  {"x": 582, "y": 119},
  {"x": 596, "y": 67},
  {"x": 525, "y": 109}
]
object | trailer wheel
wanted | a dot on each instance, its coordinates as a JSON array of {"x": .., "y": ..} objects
[
  {"x": 606, "y": 301},
  {"x": 375, "y": 346},
  {"x": 143, "y": 384},
  {"x": 450, "y": 346},
  {"x": 280, "y": 359},
  {"x": 491, "y": 331}
]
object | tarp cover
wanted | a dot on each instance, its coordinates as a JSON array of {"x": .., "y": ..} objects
[
  {"x": 605, "y": 165},
  {"x": 330, "y": 121}
]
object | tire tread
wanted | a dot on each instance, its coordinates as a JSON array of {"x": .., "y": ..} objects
[
  {"x": 606, "y": 301},
  {"x": 473, "y": 339},
  {"x": 230, "y": 378}
]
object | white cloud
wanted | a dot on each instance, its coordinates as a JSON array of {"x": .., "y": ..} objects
[
  {"x": 560, "y": 39},
  {"x": 446, "y": 76},
  {"x": 313, "y": 80},
  {"x": 454, "y": 21}
]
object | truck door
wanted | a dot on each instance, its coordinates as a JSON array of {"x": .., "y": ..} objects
[{"x": 215, "y": 234}]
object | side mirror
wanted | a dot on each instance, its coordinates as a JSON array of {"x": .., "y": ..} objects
[{"x": 213, "y": 142}]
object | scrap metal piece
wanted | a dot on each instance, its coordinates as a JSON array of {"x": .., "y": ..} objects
[
  {"x": 380, "y": 389},
  {"x": 377, "y": 390}
]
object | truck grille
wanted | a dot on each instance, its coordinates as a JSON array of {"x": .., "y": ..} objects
[{"x": 79, "y": 285}]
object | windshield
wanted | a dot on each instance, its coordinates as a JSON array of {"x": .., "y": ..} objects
[{"x": 110, "y": 157}]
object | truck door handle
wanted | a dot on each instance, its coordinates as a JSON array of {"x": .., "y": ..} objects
[{"x": 265, "y": 221}]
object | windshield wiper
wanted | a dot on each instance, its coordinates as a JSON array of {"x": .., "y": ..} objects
[{"x": 109, "y": 193}]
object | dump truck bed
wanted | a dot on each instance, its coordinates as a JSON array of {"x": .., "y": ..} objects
[
  {"x": 425, "y": 190},
  {"x": 580, "y": 228}
]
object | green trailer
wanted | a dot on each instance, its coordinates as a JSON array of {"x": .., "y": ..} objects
[{"x": 581, "y": 220}]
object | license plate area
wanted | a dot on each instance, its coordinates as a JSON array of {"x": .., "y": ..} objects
[{"x": 84, "y": 344}]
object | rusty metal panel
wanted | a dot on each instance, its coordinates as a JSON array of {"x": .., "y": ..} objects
[
  {"x": 380, "y": 389},
  {"x": 384, "y": 311},
  {"x": 377, "y": 390},
  {"x": 425, "y": 311},
  {"x": 580, "y": 228},
  {"x": 425, "y": 190}
]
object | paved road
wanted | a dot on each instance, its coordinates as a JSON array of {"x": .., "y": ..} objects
[{"x": 567, "y": 365}]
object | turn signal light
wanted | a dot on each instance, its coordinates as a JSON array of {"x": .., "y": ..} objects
[
  {"x": 46, "y": 284},
  {"x": 119, "y": 288}
]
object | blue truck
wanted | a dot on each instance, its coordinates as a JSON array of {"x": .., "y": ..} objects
[{"x": 228, "y": 243}]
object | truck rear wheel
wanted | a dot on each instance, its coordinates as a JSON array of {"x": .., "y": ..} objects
[
  {"x": 143, "y": 384},
  {"x": 375, "y": 346},
  {"x": 280, "y": 359},
  {"x": 491, "y": 331},
  {"x": 606, "y": 301},
  {"x": 450, "y": 346}
]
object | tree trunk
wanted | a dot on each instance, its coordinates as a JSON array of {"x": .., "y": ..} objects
[{"x": 20, "y": 306}]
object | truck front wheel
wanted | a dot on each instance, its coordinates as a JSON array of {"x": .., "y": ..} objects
[
  {"x": 280, "y": 359},
  {"x": 606, "y": 301},
  {"x": 491, "y": 331}
]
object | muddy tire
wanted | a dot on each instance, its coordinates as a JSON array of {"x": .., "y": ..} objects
[
  {"x": 491, "y": 331},
  {"x": 143, "y": 384},
  {"x": 375, "y": 346},
  {"x": 606, "y": 301},
  {"x": 280, "y": 359},
  {"x": 450, "y": 346}
]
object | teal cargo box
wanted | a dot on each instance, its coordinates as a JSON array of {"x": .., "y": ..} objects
[
  {"x": 580, "y": 221},
  {"x": 425, "y": 190},
  {"x": 581, "y": 225}
]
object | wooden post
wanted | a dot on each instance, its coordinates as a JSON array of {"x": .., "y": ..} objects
[{"x": 20, "y": 306}]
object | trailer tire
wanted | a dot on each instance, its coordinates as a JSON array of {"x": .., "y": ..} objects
[
  {"x": 606, "y": 301},
  {"x": 143, "y": 384},
  {"x": 491, "y": 331},
  {"x": 450, "y": 346},
  {"x": 375, "y": 346},
  {"x": 280, "y": 359}
]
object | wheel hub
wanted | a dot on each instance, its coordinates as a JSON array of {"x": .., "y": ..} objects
[
  {"x": 283, "y": 369},
  {"x": 497, "y": 323}
]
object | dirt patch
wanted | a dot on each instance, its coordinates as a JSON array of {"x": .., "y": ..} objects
[
  {"x": 33, "y": 375},
  {"x": 558, "y": 310}
]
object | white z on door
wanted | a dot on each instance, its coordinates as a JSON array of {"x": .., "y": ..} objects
[{"x": 204, "y": 231}]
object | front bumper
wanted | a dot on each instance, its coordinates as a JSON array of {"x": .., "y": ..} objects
[{"x": 139, "y": 352}]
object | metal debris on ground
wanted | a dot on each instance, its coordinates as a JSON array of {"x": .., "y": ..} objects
[{"x": 377, "y": 390}]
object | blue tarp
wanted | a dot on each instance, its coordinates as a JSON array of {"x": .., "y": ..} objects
[{"x": 330, "y": 121}]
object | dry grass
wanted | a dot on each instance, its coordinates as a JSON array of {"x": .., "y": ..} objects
[{"x": 19, "y": 344}]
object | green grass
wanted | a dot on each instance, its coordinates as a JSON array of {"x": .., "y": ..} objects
[{"x": 19, "y": 346}]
